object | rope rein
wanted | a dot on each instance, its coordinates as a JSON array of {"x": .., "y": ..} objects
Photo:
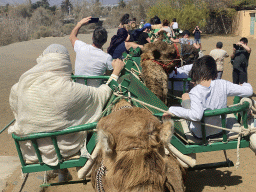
[{"x": 100, "y": 173}]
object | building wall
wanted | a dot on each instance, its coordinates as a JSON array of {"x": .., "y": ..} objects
[{"x": 242, "y": 22}]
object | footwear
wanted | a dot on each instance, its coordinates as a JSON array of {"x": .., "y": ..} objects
[{"x": 64, "y": 175}]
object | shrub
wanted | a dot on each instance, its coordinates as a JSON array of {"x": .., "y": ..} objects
[
  {"x": 42, "y": 32},
  {"x": 13, "y": 30},
  {"x": 67, "y": 28},
  {"x": 188, "y": 16}
]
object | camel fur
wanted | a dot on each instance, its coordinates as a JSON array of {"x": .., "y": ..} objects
[
  {"x": 132, "y": 144},
  {"x": 154, "y": 75}
]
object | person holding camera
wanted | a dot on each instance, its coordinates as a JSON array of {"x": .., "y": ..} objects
[
  {"x": 240, "y": 61},
  {"x": 197, "y": 32},
  {"x": 91, "y": 60}
]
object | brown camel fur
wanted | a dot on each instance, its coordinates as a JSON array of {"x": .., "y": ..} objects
[
  {"x": 154, "y": 75},
  {"x": 132, "y": 150}
]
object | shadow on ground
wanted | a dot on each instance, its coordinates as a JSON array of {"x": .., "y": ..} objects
[{"x": 198, "y": 180}]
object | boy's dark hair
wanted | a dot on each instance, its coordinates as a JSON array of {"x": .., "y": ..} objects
[
  {"x": 185, "y": 32},
  {"x": 244, "y": 39},
  {"x": 124, "y": 18},
  {"x": 155, "y": 20},
  {"x": 174, "y": 20},
  {"x": 219, "y": 45},
  {"x": 204, "y": 68},
  {"x": 100, "y": 36},
  {"x": 166, "y": 22}
]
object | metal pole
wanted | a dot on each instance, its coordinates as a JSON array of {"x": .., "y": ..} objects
[{"x": 7, "y": 126}]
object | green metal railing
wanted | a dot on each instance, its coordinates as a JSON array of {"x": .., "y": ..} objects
[
  {"x": 184, "y": 80},
  {"x": 85, "y": 78},
  {"x": 223, "y": 145},
  {"x": 27, "y": 168}
]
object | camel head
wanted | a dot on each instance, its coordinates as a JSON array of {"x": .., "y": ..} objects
[
  {"x": 189, "y": 54},
  {"x": 161, "y": 52},
  {"x": 132, "y": 144},
  {"x": 157, "y": 60},
  {"x": 139, "y": 130}
]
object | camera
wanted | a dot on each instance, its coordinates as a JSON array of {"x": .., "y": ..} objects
[
  {"x": 94, "y": 20},
  {"x": 238, "y": 47}
]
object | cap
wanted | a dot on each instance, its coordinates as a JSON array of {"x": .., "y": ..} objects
[{"x": 147, "y": 25}]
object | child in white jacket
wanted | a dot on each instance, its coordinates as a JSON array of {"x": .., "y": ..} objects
[{"x": 209, "y": 93}]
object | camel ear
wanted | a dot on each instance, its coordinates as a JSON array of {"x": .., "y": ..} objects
[
  {"x": 167, "y": 131},
  {"x": 106, "y": 141}
]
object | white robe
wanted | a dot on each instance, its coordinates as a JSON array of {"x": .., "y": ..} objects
[{"x": 46, "y": 99}]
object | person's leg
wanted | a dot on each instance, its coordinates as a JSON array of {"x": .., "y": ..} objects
[
  {"x": 199, "y": 42},
  {"x": 243, "y": 76},
  {"x": 186, "y": 103},
  {"x": 235, "y": 76},
  {"x": 219, "y": 74},
  {"x": 64, "y": 175}
]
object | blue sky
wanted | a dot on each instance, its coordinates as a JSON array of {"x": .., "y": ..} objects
[{"x": 56, "y": 2}]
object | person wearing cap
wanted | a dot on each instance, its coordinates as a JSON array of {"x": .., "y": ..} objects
[
  {"x": 46, "y": 99},
  {"x": 185, "y": 39},
  {"x": 219, "y": 54},
  {"x": 143, "y": 37}
]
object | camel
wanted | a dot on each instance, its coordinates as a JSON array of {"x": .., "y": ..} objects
[
  {"x": 159, "y": 59},
  {"x": 132, "y": 154}
]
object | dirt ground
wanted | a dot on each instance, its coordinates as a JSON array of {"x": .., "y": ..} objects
[{"x": 19, "y": 57}]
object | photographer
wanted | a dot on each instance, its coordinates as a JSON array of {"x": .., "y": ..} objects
[
  {"x": 197, "y": 32},
  {"x": 240, "y": 60},
  {"x": 91, "y": 60}
]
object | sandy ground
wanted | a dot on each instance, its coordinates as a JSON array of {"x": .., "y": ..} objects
[{"x": 19, "y": 57}]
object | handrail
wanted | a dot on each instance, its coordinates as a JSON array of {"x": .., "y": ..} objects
[
  {"x": 7, "y": 126},
  {"x": 228, "y": 110},
  {"x": 77, "y": 128},
  {"x": 184, "y": 80},
  {"x": 241, "y": 108},
  {"x": 34, "y": 136},
  {"x": 89, "y": 77}
]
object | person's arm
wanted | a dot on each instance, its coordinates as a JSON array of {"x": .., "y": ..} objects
[
  {"x": 118, "y": 65},
  {"x": 174, "y": 40},
  {"x": 109, "y": 67},
  {"x": 243, "y": 90},
  {"x": 134, "y": 45},
  {"x": 196, "y": 45},
  {"x": 74, "y": 32},
  {"x": 159, "y": 31},
  {"x": 196, "y": 111},
  {"x": 248, "y": 49},
  {"x": 226, "y": 54},
  {"x": 148, "y": 40},
  {"x": 233, "y": 54}
]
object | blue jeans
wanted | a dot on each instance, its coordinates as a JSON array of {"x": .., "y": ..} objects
[
  {"x": 219, "y": 74},
  {"x": 198, "y": 41}
]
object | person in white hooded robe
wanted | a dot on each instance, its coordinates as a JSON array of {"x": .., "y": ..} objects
[{"x": 46, "y": 99}]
